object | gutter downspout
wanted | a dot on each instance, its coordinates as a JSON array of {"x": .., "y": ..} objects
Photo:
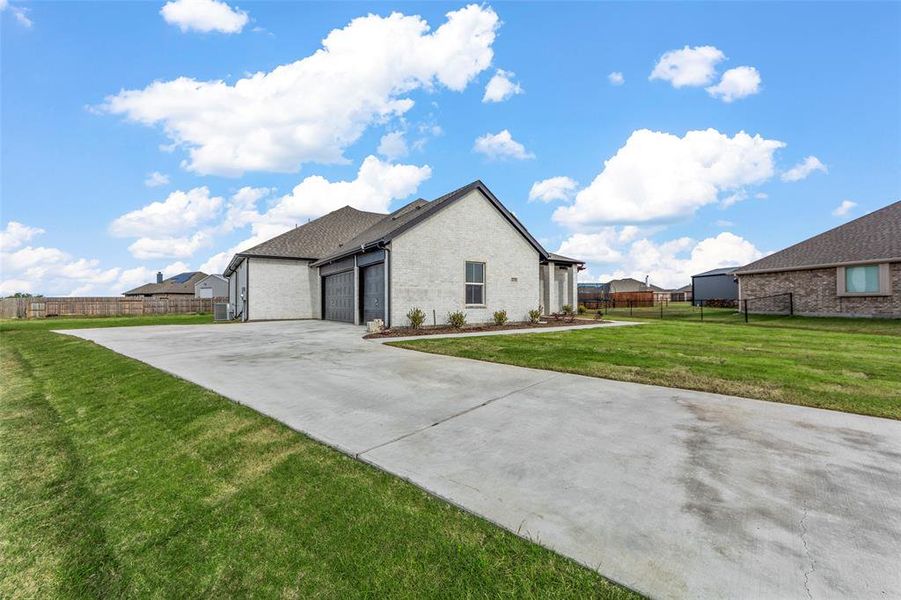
[
  {"x": 387, "y": 286},
  {"x": 247, "y": 291}
]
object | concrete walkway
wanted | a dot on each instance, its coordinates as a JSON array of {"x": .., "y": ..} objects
[{"x": 674, "y": 493}]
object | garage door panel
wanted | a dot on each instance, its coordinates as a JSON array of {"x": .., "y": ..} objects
[
  {"x": 373, "y": 294},
  {"x": 339, "y": 297}
]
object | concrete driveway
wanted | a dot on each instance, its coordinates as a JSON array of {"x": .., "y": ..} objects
[{"x": 673, "y": 493}]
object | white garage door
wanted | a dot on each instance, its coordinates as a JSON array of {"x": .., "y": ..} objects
[{"x": 206, "y": 292}]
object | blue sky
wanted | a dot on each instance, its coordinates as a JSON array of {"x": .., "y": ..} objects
[{"x": 84, "y": 126}]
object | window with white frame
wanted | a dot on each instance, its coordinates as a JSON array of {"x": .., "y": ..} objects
[
  {"x": 475, "y": 283},
  {"x": 863, "y": 280}
]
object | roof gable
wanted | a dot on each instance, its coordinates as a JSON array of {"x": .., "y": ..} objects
[
  {"x": 416, "y": 212},
  {"x": 873, "y": 237}
]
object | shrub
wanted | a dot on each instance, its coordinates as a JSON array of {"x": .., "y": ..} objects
[
  {"x": 416, "y": 317},
  {"x": 567, "y": 309},
  {"x": 582, "y": 310},
  {"x": 456, "y": 319},
  {"x": 599, "y": 315},
  {"x": 535, "y": 315},
  {"x": 500, "y": 317}
]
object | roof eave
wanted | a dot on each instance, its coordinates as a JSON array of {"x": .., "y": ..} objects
[{"x": 869, "y": 261}]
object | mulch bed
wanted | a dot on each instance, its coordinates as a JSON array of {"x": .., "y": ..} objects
[{"x": 480, "y": 328}]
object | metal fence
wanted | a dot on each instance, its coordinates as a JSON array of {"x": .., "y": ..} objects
[{"x": 715, "y": 311}]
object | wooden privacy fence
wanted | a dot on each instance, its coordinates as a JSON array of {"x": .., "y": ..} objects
[
  {"x": 616, "y": 299},
  {"x": 39, "y": 308}
]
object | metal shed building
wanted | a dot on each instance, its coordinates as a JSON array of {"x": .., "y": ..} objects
[{"x": 718, "y": 284}]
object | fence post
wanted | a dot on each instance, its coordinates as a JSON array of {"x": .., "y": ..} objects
[
  {"x": 702, "y": 311},
  {"x": 630, "y": 308},
  {"x": 745, "y": 302},
  {"x": 791, "y": 305},
  {"x": 661, "y": 310}
]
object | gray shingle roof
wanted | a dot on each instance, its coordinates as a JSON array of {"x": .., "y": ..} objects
[
  {"x": 343, "y": 232},
  {"x": 183, "y": 283},
  {"x": 872, "y": 237},
  {"x": 314, "y": 239},
  {"x": 721, "y": 271},
  {"x": 552, "y": 256}
]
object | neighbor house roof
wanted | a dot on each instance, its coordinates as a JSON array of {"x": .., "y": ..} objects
[
  {"x": 406, "y": 217},
  {"x": 312, "y": 240},
  {"x": 199, "y": 281},
  {"x": 183, "y": 283},
  {"x": 722, "y": 271},
  {"x": 871, "y": 238}
]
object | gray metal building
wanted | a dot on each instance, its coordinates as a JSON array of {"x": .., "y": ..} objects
[{"x": 718, "y": 284}]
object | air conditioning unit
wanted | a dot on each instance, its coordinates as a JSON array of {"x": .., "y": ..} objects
[{"x": 223, "y": 311}]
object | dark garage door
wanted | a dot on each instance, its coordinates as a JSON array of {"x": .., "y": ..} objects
[
  {"x": 373, "y": 292},
  {"x": 339, "y": 297}
]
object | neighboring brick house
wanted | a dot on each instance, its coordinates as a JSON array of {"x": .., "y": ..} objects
[
  {"x": 177, "y": 286},
  {"x": 852, "y": 270},
  {"x": 462, "y": 251}
]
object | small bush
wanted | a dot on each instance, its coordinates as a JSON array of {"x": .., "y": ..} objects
[
  {"x": 582, "y": 310},
  {"x": 567, "y": 309},
  {"x": 599, "y": 315},
  {"x": 535, "y": 316},
  {"x": 500, "y": 317},
  {"x": 456, "y": 319},
  {"x": 416, "y": 317}
]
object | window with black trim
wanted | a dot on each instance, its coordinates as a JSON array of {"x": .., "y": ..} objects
[{"x": 475, "y": 283}]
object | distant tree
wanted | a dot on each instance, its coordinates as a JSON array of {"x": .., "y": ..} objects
[{"x": 25, "y": 295}]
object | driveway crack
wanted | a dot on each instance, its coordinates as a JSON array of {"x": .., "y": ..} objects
[
  {"x": 457, "y": 414},
  {"x": 807, "y": 572}
]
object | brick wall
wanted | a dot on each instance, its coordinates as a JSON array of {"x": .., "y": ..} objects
[
  {"x": 428, "y": 264},
  {"x": 815, "y": 293},
  {"x": 283, "y": 289}
]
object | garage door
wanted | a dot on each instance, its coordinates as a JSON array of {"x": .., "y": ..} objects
[
  {"x": 373, "y": 294},
  {"x": 339, "y": 297}
]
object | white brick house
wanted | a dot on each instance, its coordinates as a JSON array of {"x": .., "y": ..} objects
[{"x": 463, "y": 251}]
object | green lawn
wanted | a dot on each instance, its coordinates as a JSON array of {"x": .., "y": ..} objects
[
  {"x": 813, "y": 362},
  {"x": 119, "y": 480}
]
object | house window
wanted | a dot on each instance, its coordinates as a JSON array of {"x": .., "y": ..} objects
[
  {"x": 864, "y": 280},
  {"x": 475, "y": 283}
]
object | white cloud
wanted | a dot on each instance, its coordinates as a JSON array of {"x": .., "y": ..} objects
[
  {"x": 724, "y": 223},
  {"x": 555, "y": 188},
  {"x": 55, "y": 272},
  {"x": 688, "y": 66},
  {"x": 169, "y": 247},
  {"x": 242, "y": 208},
  {"x": 501, "y": 145},
  {"x": 616, "y": 78},
  {"x": 804, "y": 168},
  {"x": 156, "y": 179},
  {"x": 734, "y": 198},
  {"x": 204, "y": 16},
  {"x": 843, "y": 209},
  {"x": 501, "y": 86},
  {"x": 393, "y": 145},
  {"x": 179, "y": 212},
  {"x": 659, "y": 176},
  {"x": 311, "y": 110},
  {"x": 377, "y": 184},
  {"x": 17, "y": 234},
  {"x": 20, "y": 13},
  {"x": 669, "y": 264},
  {"x": 735, "y": 84}
]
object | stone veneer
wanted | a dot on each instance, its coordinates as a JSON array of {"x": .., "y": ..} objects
[{"x": 815, "y": 293}]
